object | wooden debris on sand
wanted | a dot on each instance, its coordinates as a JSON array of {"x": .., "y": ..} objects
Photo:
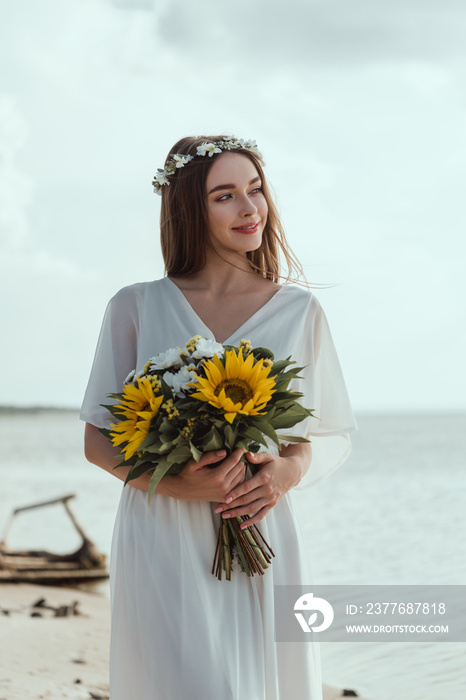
[{"x": 87, "y": 563}]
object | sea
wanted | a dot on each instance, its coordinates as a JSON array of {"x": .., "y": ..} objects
[{"x": 393, "y": 514}]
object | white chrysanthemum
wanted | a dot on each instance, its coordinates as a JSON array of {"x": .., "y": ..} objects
[
  {"x": 129, "y": 379},
  {"x": 168, "y": 359},
  {"x": 179, "y": 381},
  {"x": 206, "y": 347}
]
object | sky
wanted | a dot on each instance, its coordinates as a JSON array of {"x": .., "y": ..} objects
[{"x": 359, "y": 110}]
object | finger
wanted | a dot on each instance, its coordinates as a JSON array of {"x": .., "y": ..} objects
[
  {"x": 244, "y": 490},
  {"x": 230, "y": 462},
  {"x": 210, "y": 458},
  {"x": 237, "y": 477},
  {"x": 245, "y": 497},
  {"x": 256, "y": 517},
  {"x": 258, "y": 457},
  {"x": 248, "y": 509},
  {"x": 233, "y": 479}
]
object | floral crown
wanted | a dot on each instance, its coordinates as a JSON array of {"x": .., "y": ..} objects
[{"x": 178, "y": 160}]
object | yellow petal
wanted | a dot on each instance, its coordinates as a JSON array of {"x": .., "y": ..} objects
[{"x": 230, "y": 417}]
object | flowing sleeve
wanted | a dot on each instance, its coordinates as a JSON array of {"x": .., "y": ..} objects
[
  {"x": 115, "y": 356},
  {"x": 324, "y": 391}
]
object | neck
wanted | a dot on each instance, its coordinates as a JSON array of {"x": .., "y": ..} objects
[{"x": 222, "y": 275}]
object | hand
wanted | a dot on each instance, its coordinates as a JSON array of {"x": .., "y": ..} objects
[
  {"x": 258, "y": 495},
  {"x": 199, "y": 482}
]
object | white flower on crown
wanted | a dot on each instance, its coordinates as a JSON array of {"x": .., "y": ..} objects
[
  {"x": 179, "y": 381},
  {"x": 168, "y": 359},
  {"x": 160, "y": 180},
  {"x": 208, "y": 148},
  {"x": 231, "y": 144},
  {"x": 250, "y": 145},
  {"x": 206, "y": 347},
  {"x": 180, "y": 161}
]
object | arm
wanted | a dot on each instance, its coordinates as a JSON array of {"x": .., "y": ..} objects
[
  {"x": 100, "y": 451},
  {"x": 195, "y": 482},
  {"x": 275, "y": 476}
]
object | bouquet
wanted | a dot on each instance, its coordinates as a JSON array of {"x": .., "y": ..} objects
[{"x": 205, "y": 397}]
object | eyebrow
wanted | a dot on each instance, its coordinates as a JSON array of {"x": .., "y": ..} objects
[{"x": 231, "y": 186}]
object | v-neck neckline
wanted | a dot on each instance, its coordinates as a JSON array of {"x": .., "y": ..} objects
[{"x": 190, "y": 309}]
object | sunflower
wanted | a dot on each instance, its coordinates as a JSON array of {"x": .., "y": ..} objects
[
  {"x": 139, "y": 405},
  {"x": 236, "y": 386}
]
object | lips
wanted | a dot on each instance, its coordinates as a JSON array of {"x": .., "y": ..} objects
[{"x": 249, "y": 228}]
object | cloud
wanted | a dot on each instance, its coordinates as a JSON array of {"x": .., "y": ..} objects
[
  {"x": 355, "y": 106},
  {"x": 317, "y": 34}
]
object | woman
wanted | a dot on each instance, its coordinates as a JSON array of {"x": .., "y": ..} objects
[{"x": 177, "y": 630}]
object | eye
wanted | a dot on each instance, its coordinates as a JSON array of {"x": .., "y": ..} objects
[
  {"x": 256, "y": 190},
  {"x": 223, "y": 198}
]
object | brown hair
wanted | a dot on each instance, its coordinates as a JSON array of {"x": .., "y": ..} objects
[{"x": 184, "y": 224}]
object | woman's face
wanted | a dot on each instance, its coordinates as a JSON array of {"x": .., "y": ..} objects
[{"x": 236, "y": 206}]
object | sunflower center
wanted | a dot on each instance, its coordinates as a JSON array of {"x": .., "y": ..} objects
[{"x": 237, "y": 390}]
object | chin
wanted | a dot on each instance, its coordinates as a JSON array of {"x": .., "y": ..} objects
[
  {"x": 251, "y": 247},
  {"x": 250, "y": 242}
]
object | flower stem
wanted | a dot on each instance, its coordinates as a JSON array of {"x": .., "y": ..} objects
[{"x": 252, "y": 556}]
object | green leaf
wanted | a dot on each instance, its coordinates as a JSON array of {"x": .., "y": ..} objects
[
  {"x": 212, "y": 441},
  {"x": 158, "y": 474},
  {"x": 167, "y": 392},
  {"x": 106, "y": 432},
  {"x": 280, "y": 366},
  {"x": 197, "y": 454},
  {"x": 293, "y": 438},
  {"x": 289, "y": 419},
  {"x": 151, "y": 439},
  {"x": 138, "y": 470},
  {"x": 263, "y": 353},
  {"x": 180, "y": 455},
  {"x": 249, "y": 446},
  {"x": 230, "y": 437},
  {"x": 255, "y": 434},
  {"x": 122, "y": 464},
  {"x": 146, "y": 458},
  {"x": 115, "y": 410}
]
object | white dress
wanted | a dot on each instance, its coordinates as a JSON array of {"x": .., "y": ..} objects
[{"x": 177, "y": 632}]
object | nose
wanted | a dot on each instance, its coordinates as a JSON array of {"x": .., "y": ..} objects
[{"x": 248, "y": 208}]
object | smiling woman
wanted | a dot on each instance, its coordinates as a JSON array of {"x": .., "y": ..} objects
[
  {"x": 221, "y": 240},
  {"x": 184, "y": 217}
]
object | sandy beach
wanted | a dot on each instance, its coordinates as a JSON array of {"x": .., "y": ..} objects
[
  {"x": 47, "y": 656},
  {"x": 54, "y": 644}
]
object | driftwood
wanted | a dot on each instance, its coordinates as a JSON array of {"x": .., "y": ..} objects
[{"x": 41, "y": 566}]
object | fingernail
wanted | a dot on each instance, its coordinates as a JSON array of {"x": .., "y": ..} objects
[
  {"x": 229, "y": 499},
  {"x": 226, "y": 515},
  {"x": 220, "y": 453},
  {"x": 218, "y": 509}
]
